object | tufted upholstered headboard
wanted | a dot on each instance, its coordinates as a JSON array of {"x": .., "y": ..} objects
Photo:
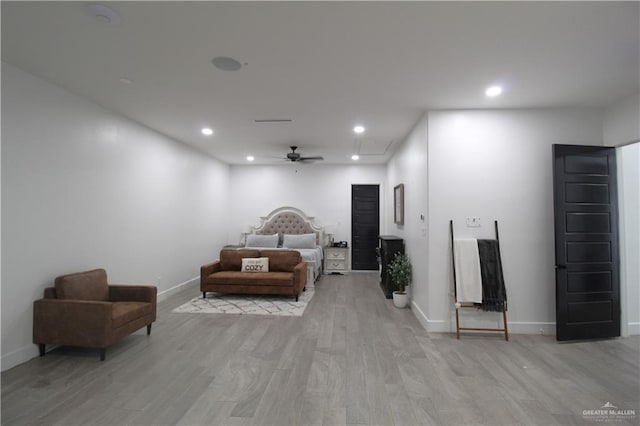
[{"x": 289, "y": 220}]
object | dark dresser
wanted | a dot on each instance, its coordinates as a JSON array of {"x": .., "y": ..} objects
[{"x": 388, "y": 246}]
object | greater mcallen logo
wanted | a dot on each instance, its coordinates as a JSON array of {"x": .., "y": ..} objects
[{"x": 609, "y": 413}]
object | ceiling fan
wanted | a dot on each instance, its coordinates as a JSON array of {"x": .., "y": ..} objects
[{"x": 294, "y": 156}]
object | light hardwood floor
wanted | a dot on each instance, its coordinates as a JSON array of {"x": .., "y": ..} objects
[{"x": 351, "y": 359}]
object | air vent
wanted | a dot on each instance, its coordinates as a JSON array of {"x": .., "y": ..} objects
[{"x": 274, "y": 120}]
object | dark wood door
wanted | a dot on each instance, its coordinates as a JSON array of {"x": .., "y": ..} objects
[
  {"x": 586, "y": 234},
  {"x": 365, "y": 226}
]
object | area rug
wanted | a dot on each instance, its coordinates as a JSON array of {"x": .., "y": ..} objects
[{"x": 217, "y": 303}]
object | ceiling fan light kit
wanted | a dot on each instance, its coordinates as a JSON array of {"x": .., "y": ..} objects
[{"x": 296, "y": 157}]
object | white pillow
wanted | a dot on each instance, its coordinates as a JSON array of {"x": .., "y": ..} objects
[
  {"x": 267, "y": 241},
  {"x": 255, "y": 264},
  {"x": 302, "y": 241}
]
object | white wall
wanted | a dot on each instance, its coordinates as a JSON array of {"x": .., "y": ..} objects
[
  {"x": 628, "y": 159},
  {"x": 497, "y": 165},
  {"x": 621, "y": 123},
  {"x": 322, "y": 191},
  {"x": 84, "y": 188},
  {"x": 621, "y": 126},
  {"x": 409, "y": 166}
]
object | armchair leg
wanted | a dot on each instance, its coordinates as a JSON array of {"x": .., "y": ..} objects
[
  {"x": 103, "y": 353},
  {"x": 148, "y": 329},
  {"x": 296, "y": 297},
  {"x": 204, "y": 294},
  {"x": 41, "y": 347}
]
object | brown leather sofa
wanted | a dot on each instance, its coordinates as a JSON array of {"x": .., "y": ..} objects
[
  {"x": 84, "y": 310},
  {"x": 287, "y": 273}
]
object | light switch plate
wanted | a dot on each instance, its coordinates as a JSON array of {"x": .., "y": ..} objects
[{"x": 473, "y": 222}]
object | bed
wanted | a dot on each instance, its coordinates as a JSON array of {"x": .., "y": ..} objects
[{"x": 292, "y": 229}]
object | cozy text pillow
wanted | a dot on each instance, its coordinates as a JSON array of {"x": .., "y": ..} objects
[
  {"x": 255, "y": 264},
  {"x": 302, "y": 241},
  {"x": 268, "y": 241}
]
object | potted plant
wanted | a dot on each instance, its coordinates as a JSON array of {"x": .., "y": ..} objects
[{"x": 400, "y": 273}]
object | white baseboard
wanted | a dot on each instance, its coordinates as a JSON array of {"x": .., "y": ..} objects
[
  {"x": 545, "y": 328},
  {"x": 19, "y": 356},
  {"x": 435, "y": 326},
  {"x": 164, "y": 295},
  {"x": 633, "y": 328},
  {"x": 517, "y": 327}
]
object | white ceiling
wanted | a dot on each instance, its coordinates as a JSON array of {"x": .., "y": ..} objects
[{"x": 326, "y": 65}]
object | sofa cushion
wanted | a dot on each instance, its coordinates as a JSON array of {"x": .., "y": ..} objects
[
  {"x": 282, "y": 260},
  {"x": 88, "y": 285},
  {"x": 231, "y": 259},
  {"x": 237, "y": 278},
  {"x": 124, "y": 312},
  {"x": 255, "y": 264}
]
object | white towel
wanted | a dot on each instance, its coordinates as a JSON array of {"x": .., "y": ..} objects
[{"x": 468, "y": 277}]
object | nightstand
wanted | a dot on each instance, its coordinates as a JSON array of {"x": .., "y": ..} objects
[{"x": 336, "y": 260}]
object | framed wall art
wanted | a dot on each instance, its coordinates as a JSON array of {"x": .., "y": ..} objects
[{"x": 398, "y": 204}]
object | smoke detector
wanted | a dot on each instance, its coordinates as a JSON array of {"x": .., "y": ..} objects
[
  {"x": 225, "y": 63},
  {"x": 103, "y": 14}
]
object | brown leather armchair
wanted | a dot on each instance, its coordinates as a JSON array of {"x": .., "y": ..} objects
[{"x": 84, "y": 310}]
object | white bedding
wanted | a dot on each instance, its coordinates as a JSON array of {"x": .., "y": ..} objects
[{"x": 313, "y": 255}]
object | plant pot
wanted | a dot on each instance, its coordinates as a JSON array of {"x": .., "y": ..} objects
[{"x": 400, "y": 300}]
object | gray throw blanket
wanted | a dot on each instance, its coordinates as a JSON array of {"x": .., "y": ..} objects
[{"x": 494, "y": 294}]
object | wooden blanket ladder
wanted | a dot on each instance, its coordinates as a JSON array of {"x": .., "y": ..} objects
[{"x": 465, "y": 305}]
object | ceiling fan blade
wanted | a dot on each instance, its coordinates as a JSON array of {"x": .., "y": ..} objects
[{"x": 311, "y": 158}]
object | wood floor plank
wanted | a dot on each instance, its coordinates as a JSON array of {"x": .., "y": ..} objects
[
  {"x": 377, "y": 398},
  {"x": 356, "y": 385},
  {"x": 335, "y": 417},
  {"x": 318, "y": 372},
  {"x": 205, "y": 411},
  {"x": 312, "y": 410},
  {"x": 336, "y": 382}
]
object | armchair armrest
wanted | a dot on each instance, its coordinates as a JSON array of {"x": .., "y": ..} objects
[
  {"x": 72, "y": 322},
  {"x": 300, "y": 274},
  {"x": 210, "y": 268},
  {"x": 133, "y": 293}
]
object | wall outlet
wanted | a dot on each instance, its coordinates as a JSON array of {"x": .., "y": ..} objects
[{"x": 473, "y": 222}]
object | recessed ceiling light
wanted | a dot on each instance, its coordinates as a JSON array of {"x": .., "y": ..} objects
[
  {"x": 103, "y": 14},
  {"x": 355, "y": 157},
  {"x": 225, "y": 63},
  {"x": 358, "y": 129},
  {"x": 207, "y": 131},
  {"x": 250, "y": 158},
  {"x": 493, "y": 91}
]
